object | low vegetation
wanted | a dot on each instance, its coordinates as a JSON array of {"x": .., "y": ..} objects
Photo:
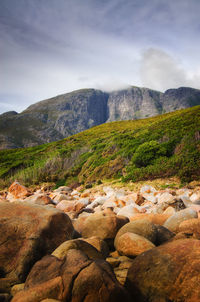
[{"x": 163, "y": 146}]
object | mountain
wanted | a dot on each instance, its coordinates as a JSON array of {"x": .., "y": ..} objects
[
  {"x": 67, "y": 114},
  {"x": 162, "y": 146}
]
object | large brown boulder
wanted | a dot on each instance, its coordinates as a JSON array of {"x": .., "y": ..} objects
[
  {"x": 28, "y": 232},
  {"x": 103, "y": 225},
  {"x": 170, "y": 272},
  {"x": 75, "y": 278}
]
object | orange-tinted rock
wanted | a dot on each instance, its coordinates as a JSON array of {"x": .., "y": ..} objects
[
  {"x": 104, "y": 226},
  {"x": 173, "y": 222},
  {"x": 190, "y": 226},
  {"x": 162, "y": 234},
  {"x": 154, "y": 218},
  {"x": 65, "y": 205},
  {"x": 140, "y": 199},
  {"x": 81, "y": 204},
  {"x": 130, "y": 198},
  {"x": 128, "y": 211},
  {"x": 85, "y": 194},
  {"x": 131, "y": 245},
  {"x": 41, "y": 199},
  {"x": 169, "y": 211},
  {"x": 140, "y": 227},
  {"x": 27, "y": 233},
  {"x": 99, "y": 244},
  {"x": 77, "y": 244},
  {"x": 52, "y": 288},
  {"x": 170, "y": 272},
  {"x": 18, "y": 191},
  {"x": 17, "y": 288},
  {"x": 79, "y": 223},
  {"x": 75, "y": 278}
]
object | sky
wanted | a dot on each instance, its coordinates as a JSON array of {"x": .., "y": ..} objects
[{"x": 51, "y": 47}]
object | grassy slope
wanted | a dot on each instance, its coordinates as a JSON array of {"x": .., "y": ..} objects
[{"x": 168, "y": 145}]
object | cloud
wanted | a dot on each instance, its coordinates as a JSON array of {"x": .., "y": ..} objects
[
  {"x": 52, "y": 47},
  {"x": 161, "y": 71}
]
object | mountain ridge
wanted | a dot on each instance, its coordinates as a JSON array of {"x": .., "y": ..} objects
[
  {"x": 158, "y": 147},
  {"x": 67, "y": 114}
]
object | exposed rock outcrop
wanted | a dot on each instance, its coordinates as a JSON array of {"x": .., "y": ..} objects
[
  {"x": 70, "y": 113},
  {"x": 169, "y": 272},
  {"x": 28, "y": 232}
]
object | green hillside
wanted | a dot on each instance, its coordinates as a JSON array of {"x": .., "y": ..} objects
[{"x": 162, "y": 146}]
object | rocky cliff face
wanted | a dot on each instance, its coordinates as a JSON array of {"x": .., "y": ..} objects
[
  {"x": 133, "y": 103},
  {"x": 70, "y": 113}
]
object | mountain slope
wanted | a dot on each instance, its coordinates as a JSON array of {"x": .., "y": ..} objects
[
  {"x": 70, "y": 113},
  {"x": 161, "y": 146}
]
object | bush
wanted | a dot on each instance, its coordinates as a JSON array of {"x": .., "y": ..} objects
[{"x": 147, "y": 153}]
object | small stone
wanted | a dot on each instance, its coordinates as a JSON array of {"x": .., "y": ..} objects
[
  {"x": 173, "y": 222},
  {"x": 140, "y": 227},
  {"x": 113, "y": 261},
  {"x": 165, "y": 197},
  {"x": 16, "y": 288},
  {"x": 128, "y": 211},
  {"x": 147, "y": 189}
]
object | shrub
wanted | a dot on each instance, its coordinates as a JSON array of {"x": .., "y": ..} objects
[{"x": 147, "y": 153}]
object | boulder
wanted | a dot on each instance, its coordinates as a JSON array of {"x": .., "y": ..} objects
[
  {"x": 165, "y": 197},
  {"x": 99, "y": 244},
  {"x": 63, "y": 189},
  {"x": 130, "y": 198},
  {"x": 59, "y": 197},
  {"x": 128, "y": 211},
  {"x": 75, "y": 278},
  {"x": 77, "y": 244},
  {"x": 147, "y": 189},
  {"x": 81, "y": 204},
  {"x": 17, "y": 288},
  {"x": 104, "y": 225},
  {"x": 150, "y": 197},
  {"x": 122, "y": 269},
  {"x": 169, "y": 211},
  {"x": 49, "y": 300},
  {"x": 195, "y": 197},
  {"x": 190, "y": 226},
  {"x": 41, "y": 199},
  {"x": 17, "y": 191},
  {"x": 131, "y": 245},
  {"x": 154, "y": 218},
  {"x": 79, "y": 222},
  {"x": 139, "y": 200},
  {"x": 28, "y": 232},
  {"x": 173, "y": 222},
  {"x": 141, "y": 227},
  {"x": 169, "y": 272},
  {"x": 162, "y": 234},
  {"x": 65, "y": 205}
]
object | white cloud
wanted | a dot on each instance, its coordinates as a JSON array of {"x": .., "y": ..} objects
[{"x": 161, "y": 71}]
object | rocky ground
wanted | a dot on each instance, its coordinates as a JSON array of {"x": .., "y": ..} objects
[{"x": 103, "y": 244}]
